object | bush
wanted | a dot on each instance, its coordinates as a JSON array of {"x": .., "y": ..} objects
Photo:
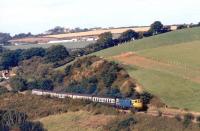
[
  {"x": 187, "y": 119},
  {"x": 198, "y": 118},
  {"x": 68, "y": 70},
  {"x": 121, "y": 124},
  {"x": 178, "y": 117},
  {"x": 46, "y": 84},
  {"x": 56, "y": 53},
  {"x": 3, "y": 90},
  {"x": 11, "y": 119},
  {"x": 146, "y": 97},
  {"x": 18, "y": 83}
]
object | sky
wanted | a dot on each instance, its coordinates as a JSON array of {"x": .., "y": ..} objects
[{"x": 37, "y": 16}]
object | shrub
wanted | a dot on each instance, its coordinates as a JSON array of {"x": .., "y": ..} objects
[
  {"x": 3, "y": 90},
  {"x": 46, "y": 84},
  {"x": 178, "y": 117},
  {"x": 68, "y": 70},
  {"x": 198, "y": 118},
  {"x": 121, "y": 124},
  {"x": 56, "y": 53},
  {"x": 187, "y": 119},
  {"x": 11, "y": 119},
  {"x": 18, "y": 83},
  {"x": 146, "y": 97}
]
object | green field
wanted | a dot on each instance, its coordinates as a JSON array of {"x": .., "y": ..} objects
[
  {"x": 171, "y": 38},
  {"x": 177, "y": 79},
  {"x": 69, "y": 45}
]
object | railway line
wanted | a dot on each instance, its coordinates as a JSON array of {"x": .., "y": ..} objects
[{"x": 123, "y": 104}]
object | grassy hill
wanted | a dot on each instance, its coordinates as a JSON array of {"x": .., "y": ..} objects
[
  {"x": 75, "y": 121},
  {"x": 166, "y": 65}
]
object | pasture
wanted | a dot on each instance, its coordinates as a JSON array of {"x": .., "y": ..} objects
[
  {"x": 69, "y": 45},
  {"x": 166, "y": 65},
  {"x": 75, "y": 121}
]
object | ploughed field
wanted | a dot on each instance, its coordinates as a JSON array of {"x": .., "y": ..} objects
[
  {"x": 166, "y": 65},
  {"x": 69, "y": 45}
]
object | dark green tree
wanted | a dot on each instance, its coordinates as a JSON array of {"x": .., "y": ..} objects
[
  {"x": 10, "y": 59},
  {"x": 46, "y": 84},
  {"x": 29, "y": 53},
  {"x": 128, "y": 35},
  {"x": 156, "y": 28},
  {"x": 18, "y": 83},
  {"x": 4, "y": 38},
  {"x": 105, "y": 40},
  {"x": 56, "y": 53}
]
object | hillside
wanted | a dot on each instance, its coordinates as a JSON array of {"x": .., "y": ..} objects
[
  {"x": 88, "y": 75},
  {"x": 167, "y": 65}
]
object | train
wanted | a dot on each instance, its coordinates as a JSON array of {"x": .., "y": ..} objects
[{"x": 124, "y": 103}]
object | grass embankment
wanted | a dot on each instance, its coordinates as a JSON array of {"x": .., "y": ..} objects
[
  {"x": 72, "y": 121},
  {"x": 166, "y": 65},
  {"x": 85, "y": 121},
  {"x": 38, "y": 106}
]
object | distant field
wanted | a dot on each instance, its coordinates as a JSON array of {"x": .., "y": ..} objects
[
  {"x": 98, "y": 32},
  {"x": 171, "y": 38},
  {"x": 69, "y": 45},
  {"x": 166, "y": 65},
  {"x": 75, "y": 121}
]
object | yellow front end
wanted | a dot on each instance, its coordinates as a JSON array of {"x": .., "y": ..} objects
[{"x": 137, "y": 104}]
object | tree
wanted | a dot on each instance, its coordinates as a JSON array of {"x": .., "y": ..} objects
[
  {"x": 46, "y": 84},
  {"x": 18, "y": 83},
  {"x": 128, "y": 35},
  {"x": 182, "y": 27},
  {"x": 29, "y": 53},
  {"x": 22, "y": 35},
  {"x": 156, "y": 28},
  {"x": 105, "y": 39},
  {"x": 13, "y": 120},
  {"x": 4, "y": 38},
  {"x": 10, "y": 59},
  {"x": 56, "y": 53},
  {"x": 2, "y": 49}
]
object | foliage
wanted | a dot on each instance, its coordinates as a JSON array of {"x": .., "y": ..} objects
[
  {"x": 46, "y": 84},
  {"x": 146, "y": 97},
  {"x": 198, "y": 118},
  {"x": 187, "y": 119},
  {"x": 12, "y": 120},
  {"x": 10, "y": 59},
  {"x": 22, "y": 35},
  {"x": 29, "y": 53},
  {"x": 128, "y": 35},
  {"x": 56, "y": 53},
  {"x": 4, "y": 38},
  {"x": 18, "y": 83},
  {"x": 31, "y": 105},
  {"x": 156, "y": 27},
  {"x": 3, "y": 90},
  {"x": 124, "y": 123},
  {"x": 68, "y": 70},
  {"x": 182, "y": 26}
]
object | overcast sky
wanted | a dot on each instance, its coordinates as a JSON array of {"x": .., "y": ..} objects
[{"x": 37, "y": 16}]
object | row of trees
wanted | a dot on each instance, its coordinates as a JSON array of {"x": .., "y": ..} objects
[{"x": 11, "y": 58}]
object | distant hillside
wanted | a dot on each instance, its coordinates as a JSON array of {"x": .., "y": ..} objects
[
  {"x": 167, "y": 65},
  {"x": 175, "y": 37}
]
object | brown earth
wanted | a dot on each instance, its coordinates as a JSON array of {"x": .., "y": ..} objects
[{"x": 131, "y": 58}]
